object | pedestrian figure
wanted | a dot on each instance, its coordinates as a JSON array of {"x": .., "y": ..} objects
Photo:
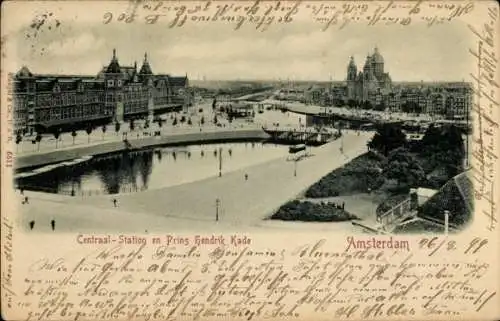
[
  {"x": 246, "y": 177},
  {"x": 343, "y": 205},
  {"x": 53, "y": 224},
  {"x": 32, "y": 225},
  {"x": 114, "y": 201},
  {"x": 26, "y": 201},
  {"x": 22, "y": 191}
]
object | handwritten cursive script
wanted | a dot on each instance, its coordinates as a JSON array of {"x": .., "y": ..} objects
[
  {"x": 151, "y": 282},
  {"x": 485, "y": 153},
  {"x": 262, "y": 14}
]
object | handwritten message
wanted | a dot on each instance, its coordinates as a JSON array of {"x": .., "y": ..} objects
[
  {"x": 162, "y": 282},
  {"x": 485, "y": 110},
  {"x": 263, "y": 14}
]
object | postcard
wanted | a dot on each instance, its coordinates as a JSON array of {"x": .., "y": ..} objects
[{"x": 250, "y": 160}]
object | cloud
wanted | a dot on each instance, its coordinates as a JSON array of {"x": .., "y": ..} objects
[{"x": 75, "y": 46}]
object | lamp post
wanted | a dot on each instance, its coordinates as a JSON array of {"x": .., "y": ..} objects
[
  {"x": 217, "y": 204},
  {"x": 220, "y": 161},
  {"x": 446, "y": 221}
]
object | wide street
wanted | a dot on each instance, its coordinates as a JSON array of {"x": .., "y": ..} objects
[
  {"x": 98, "y": 136},
  {"x": 243, "y": 204}
]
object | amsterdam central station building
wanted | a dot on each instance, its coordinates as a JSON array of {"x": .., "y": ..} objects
[{"x": 43, "y": 102}]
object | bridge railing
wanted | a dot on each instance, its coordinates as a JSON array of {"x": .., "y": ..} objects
[
  {"x": 395, "y": 212},
  {"x": 82, "y": 193}
]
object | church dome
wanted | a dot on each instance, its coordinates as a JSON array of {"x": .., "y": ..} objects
[{"x": 377, "y": 57}]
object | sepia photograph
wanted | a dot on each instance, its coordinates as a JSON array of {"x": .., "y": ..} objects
[
  {"x": 249, "y": 160},
  {"x": 206, "y": 128}
]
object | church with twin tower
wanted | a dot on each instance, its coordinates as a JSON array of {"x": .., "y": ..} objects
[{"x": 364, "y": 85}]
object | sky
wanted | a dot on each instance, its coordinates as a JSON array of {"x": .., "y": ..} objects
[{"x": 82, "y": 44}]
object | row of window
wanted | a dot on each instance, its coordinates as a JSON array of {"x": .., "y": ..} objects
[
  {"x": 134, "y": 107},
  {"x": 72, "y": 112},
  {"x": 20, "y": 115},
  {"x": 135, "y": 95},
  {"x": 161, "y": 100},
  {"x": 66, "y": 99}
]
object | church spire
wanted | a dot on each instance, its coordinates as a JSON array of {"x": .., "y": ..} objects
[
  {"x": 146, "y": 69},
  {"x": 113, "y": 66}
]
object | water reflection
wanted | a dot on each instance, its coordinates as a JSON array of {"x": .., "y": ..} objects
[{"x": 141, "y": 170}]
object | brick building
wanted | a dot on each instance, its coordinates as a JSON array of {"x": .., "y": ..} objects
[{"x": 116, "y": 93}]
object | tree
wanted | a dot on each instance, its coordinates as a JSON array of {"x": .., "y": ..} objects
[
  {"x": 443, "y": 147},
  {"x": 19, "y": 138},
  {"x": 88, "y": 130},
  {"x": 57, "y": 133},
  {"x": 404, "y": 168},
  {"x": 103, "y": 128},
  {"x": 117, "y": 128},
  {"x": 380, "y": 107},
  {"x": 73, "y": 134},
  {"x": 387, "y": 138},
  {"x": 411, "y": 107},
  {"x": 366, "y": 105},
  {"x": 38, "y": 139}
]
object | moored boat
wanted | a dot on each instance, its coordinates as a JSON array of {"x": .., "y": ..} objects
[{"x": 296, "y": 148}]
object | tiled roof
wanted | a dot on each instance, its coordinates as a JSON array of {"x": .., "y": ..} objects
[
  {"x": 24, "y": 72},
  {"x": 44, "y": 85},
  {"x": 178, "y": 81},
  {"x": 127, "y": 70},
  {"x": 93, "y": 85},
  {"x": 455, "y": 196},
  {"x": 113, "y": 67},
  {"x": 146, "y": 69}
]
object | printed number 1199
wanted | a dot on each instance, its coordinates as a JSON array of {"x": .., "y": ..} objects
[{"x": 9, "y": 157}]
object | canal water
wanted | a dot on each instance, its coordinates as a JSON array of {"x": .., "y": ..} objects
[{"x": 151, "y": 169}]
